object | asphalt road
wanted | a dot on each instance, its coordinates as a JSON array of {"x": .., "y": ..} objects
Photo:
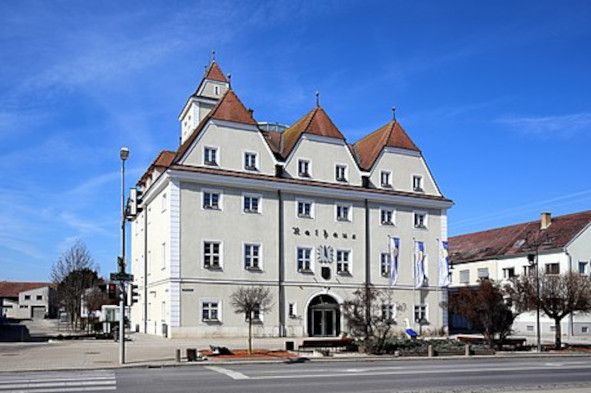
[{"x": 461, "y": 375}]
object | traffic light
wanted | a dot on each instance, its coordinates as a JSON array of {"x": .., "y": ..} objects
[
  {"x": 134, "y": 294},
  {"x": 120, "y": 265},
  {"x": 135, "y": 202},
  {"x": 112, "y": 291}
]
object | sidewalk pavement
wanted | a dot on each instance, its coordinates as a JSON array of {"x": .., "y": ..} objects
[{"x": 141, "y": 350}]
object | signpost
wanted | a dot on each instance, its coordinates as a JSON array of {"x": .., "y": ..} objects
[{"x": 121, "y": 276}]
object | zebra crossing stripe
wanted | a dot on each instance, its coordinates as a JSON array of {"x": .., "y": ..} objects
[{"x": 37, "y": 383}]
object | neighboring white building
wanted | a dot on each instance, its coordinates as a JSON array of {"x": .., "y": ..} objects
[
  {"x": 501, "y": 253},
  {"x": 298, "y": 210}
]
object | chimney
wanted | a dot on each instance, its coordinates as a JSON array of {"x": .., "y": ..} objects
[{"x": 545, "y": 220}]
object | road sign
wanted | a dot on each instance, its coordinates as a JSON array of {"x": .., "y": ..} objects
[{"x": 121, "y": 277}]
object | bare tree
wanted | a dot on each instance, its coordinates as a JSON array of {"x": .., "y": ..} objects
[
  {"x": 370, "y": 314},
  {"x": 72, "y": 273},
  {"x": 251, "y": 301},
  {"x": 486, "y": 309},
  {"x": 560, "y": 295}
]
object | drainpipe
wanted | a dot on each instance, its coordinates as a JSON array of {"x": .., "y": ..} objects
[
  {"x": 367, "y": 262},
  {"x": 145, "y": 270},
  {"x": 282, "y": 327}
]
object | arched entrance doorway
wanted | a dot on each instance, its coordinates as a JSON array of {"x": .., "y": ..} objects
[{"x": 324, "y": 317}]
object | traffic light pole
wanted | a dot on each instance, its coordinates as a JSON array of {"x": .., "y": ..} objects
[{"x": 122, "y": 270}]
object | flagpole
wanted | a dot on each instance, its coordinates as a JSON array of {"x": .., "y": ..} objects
[
  {"x": 439, "y": 247},
  {"x": 414, "y": 282},
  {"x": 389, "y": 262}
]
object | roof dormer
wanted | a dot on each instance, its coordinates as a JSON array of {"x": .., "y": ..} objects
[{"x": 213, "y": 86}]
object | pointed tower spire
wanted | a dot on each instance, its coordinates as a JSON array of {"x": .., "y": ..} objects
[
  {"x": 317, "y": 99},
  {"x": 393, "y": 113}
]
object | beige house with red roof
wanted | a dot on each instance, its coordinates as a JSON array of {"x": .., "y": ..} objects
[
  {"x": 27, "y": 300},
  {"x": 563, "y": 244},
  {"x": 295, "y": 208}
]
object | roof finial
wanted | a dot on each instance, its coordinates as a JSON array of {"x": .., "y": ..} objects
[
  {"x": 393, "y": 113},
  {"x": 213, "y": 56},
  {"x": 317, "y": 99},
  {"x": 230, "y": 81}
]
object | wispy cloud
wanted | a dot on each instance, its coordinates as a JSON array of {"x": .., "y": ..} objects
[{"x": 562, "y": 126}]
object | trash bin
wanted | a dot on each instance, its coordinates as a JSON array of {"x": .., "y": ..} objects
[
  {"x": 191, "y": 355},
  {"x": 289, "y": 345}
]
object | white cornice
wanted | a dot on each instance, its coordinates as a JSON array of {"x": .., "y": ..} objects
[{"x": 320, "y": 190}]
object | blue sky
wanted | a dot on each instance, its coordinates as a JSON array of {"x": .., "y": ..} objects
[{"x": 497, "y": 95}]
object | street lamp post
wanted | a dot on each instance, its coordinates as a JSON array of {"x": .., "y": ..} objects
[
  {"x": 123, "y": 155},
  {"x": 533, "y": 261}
]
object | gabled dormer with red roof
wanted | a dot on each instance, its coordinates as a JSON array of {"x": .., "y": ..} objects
[
  {"x": 314, "y": 148},
  {"x": 394, "y": 161},
  {"x": 225, "y": 137},
  {"x": 211, "y": 88}
]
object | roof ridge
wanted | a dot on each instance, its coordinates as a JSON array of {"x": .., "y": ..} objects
[{"x": 525, "y": 223}]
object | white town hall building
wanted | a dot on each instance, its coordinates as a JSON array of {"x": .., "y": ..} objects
[{"x": 297, "y": 209}]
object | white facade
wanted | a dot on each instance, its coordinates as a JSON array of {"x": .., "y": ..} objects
[
  {"x": 207, "y": 229},
  {"x": 574, "y": 256}
]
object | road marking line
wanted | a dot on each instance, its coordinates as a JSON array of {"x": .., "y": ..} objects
[
  {"x": 230, "y": 373},
  {"x": 54, "y": 390},
  {"x": 415, "y": 372},
  {"x": 31, "y": 385},
  {"x": 52, "y": 380}
]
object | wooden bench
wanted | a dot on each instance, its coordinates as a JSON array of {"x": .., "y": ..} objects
[
  {"x": 338, "y": 344},
  {"x": 513, "y": 342}
]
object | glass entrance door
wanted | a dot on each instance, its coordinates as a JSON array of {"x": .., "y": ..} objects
[{"x": 324, "y": 323}]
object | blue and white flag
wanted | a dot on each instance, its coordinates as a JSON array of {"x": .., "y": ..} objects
[
  {"x": 419, "y": 264},
  {"x": 394, "y": 252},
  {"x": 443, "y": 265}
]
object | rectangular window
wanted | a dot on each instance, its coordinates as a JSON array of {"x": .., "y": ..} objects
[
  {"x": 251, "y": 204},
  {"x": 292, "y": 310},
  {"x": 39, "y": 297},
  {"x": 420, "y": 220},
  {"x": 530, "y": 328},
  {"x": 552, "y": 268},
  {"x": 387, "y": 216},
  {"x": 210, "y": 311},
  {"x": 464, "y": 276},
  {"x": 304, "y": 259},
  {"x": 385, "y": 264},
  {"x": 210, "y": 156},
  {"x": 483, "y": 273},
  {"x": 585, "y": 329},
  {"x": 27, "y": 297},
  {"x": 343, "y": 262},
  {"x": 211, "y": 200},
  {"x": 341, "y": 173},
  {"x": 420, "y": 313},
  {"x": 417, "y": 183},
  {"x": 252, "y": 256},
  {"x": 211, "y": 255},
  {"x": 163, "y": 255},
  {"x": 528, "y": 270},
  {"x": 304, "y": 209},
  {"x": 256, "y": 314},
  {"x": 583, "y": 268},
  {"x": 250, "y": 161},
  {"x": 388, "y": 312},
  {"x": 303, "y": 168},
  {"x": 343, "y": 212},
  {"x": 385, "y": 179},
  {"x": 508, "y": 272}
]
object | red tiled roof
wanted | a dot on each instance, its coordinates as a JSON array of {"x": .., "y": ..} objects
[
  {"x": 163, "y": 160},
  {"x": 390, "y": 135},
  {"x": 512, "y": 240},
  {"x": 314, "y": 122},
  {"x": 229, "y": 108},
  {"x": 214, "y": 73},
  {"x": 12, "y": 289},
  {"x": 273, "y": 139}
]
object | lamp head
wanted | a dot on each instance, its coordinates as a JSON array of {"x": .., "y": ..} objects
[{"x": 124, "y": 153}]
